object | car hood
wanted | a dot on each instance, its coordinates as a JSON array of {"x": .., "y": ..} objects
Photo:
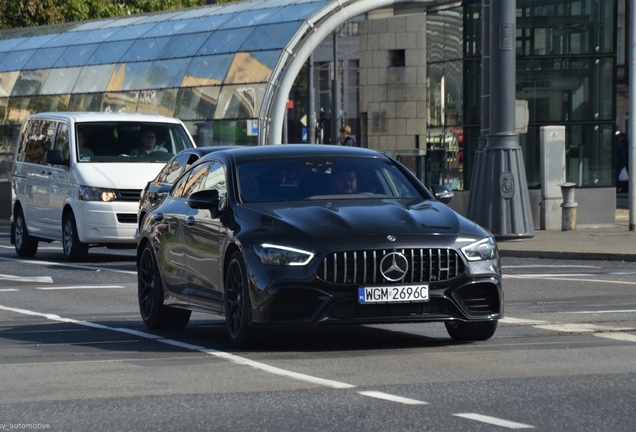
[
  {"x": 117, "y": 175},
  {"x": 341, "y": 219}
]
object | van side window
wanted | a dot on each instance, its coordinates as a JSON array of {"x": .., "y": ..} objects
[
  {"x": 39, "y": 137},
  {"x": 61, "y": 140}
]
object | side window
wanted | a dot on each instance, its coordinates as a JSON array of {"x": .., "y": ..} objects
[
  {"x": 39, "y": 137},
  {"x": 172, "y": 172},
  {"x": 191, "y": 181},
  {"x": 216, "y": 181},
  {"x": 61, "y": 140}
]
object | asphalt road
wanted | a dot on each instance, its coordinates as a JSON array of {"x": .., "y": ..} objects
[{"x": 75, "y": 356}]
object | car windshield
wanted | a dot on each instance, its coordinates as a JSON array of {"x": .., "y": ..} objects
[
  {"x": 129, "y": 141},
  {"x": 320, "y": 178}
]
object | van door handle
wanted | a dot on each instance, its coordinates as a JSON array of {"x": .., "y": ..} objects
[{"x": 190, "y": 220}]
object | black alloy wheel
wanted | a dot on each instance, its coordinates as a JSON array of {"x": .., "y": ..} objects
[
  {"x": 153, "y": 312},
  {"x": 74, "y": 249},
  {"x": 237, "y": 305},
  {"x": 471, "y": 331},
  {"x": 25, "y": 245}
]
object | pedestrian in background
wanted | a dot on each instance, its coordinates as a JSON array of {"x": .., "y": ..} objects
[
  {"x": 345, "y": 137},
  {"x": 622, "y": 166}
]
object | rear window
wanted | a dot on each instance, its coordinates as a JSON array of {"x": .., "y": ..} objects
[
  {"x": 129, "y": 141},
  {"x": 335, "y": 178}
]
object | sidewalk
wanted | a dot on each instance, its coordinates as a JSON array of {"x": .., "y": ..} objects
[{"x": 610, "y": 244}]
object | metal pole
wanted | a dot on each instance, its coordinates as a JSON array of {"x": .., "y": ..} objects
[
  {"x": 335, "y": 90},
  {"x": 475, "y": 197},
  {"x": 632, "y": 116},
  {"x": 311, "y": 98}
]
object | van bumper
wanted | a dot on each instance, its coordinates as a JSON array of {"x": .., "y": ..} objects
[{"x": 113, "y": 222}]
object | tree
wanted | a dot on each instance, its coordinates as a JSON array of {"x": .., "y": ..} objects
[{"x": 30, "y": 13}]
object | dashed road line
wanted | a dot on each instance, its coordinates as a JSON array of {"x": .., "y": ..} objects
[
  {"x": 36, "y": 279},
  {"x": 8, "y": 289},
  {"x": 393, "y": 398},
  {"x": 74, "y": 266},
  {"x": 494, "y": 421}
]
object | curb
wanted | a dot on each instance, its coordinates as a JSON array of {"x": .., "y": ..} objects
[{"x": 577, "y": 256}]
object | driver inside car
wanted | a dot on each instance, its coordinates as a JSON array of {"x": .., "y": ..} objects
[{"x": 148, "y": 141}]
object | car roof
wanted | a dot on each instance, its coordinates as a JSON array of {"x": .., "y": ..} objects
[
  {"x": 242, "y": 154},
  {"x": 85, "y": 117}
]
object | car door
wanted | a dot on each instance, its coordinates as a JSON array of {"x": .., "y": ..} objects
[
  {"x": 59, "y": 184},
  {"x": 36, "y": 175},
  {"x": 202, "y": 231}
]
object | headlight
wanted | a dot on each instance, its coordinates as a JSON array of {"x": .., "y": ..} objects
[
  {"x": 89, "y": 193},
  {"x": 270, "y": 254},
  {"x": 482, "y": 250}
]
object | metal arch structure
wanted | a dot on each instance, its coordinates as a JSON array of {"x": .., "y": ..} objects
[{"x": 316, "y": 29}]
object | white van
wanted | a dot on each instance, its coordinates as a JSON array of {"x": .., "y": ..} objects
[{"x": 77, "y": 177}]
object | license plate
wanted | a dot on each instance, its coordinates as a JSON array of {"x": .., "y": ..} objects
[{"x": 393, "y": 294}]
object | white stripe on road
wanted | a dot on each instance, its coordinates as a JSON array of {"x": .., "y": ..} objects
[
  {"x": 582, "y": 328},
  {"x": 606, "y": 332},
  {"x": 393, "y": 398},
  {"x": 81, "y": 287},
  {"x": 81, "y": 267},
  {"x": 494, "y": 421},
  {"x": 8, "y": 289},
  {"x": 602, "y": 312},
  {"x": 36, "y": 279},
  {"x": 510, "y": 320},
  {"x": 567, "y": 278},
  {"x": 624, "y": 337},
  {"x": 220, "y": 354}
]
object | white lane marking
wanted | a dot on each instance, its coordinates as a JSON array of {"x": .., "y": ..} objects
[
  {"x": 582, "y": 328},
  {"x": 624, "y": 337},
  {"x": 494, "y": 421},
  {"x": 36, "y": 279},
  {"x": 510, "y": 320},
  {"x": 393, "y": 398},
  {"x": 550, "y": 266},
  {"x": 8, "y": 289},
  {"x": 40, "y": 248},
  {"x": 602, "y": 312},
  {"x": 568, "y": 279},
  {"x": 81, "y": 267},
  {"x": 220, "y": 354},
  {"x": 81, "y": 287}
]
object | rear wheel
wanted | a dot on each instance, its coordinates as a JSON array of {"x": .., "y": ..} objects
[
  {"x": 471, "y": 331},
  {"x": 150, "y": 293},
  {"x": 237, "y": 305},
  {"x": 74, "y": 249},
  {"x": 25, "y": 245}
]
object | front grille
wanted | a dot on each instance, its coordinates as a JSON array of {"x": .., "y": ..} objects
[
  {"x": 127, "y": 218},
  {"x": 363, "y": 267},
  {"x": 128, "y": 194}
]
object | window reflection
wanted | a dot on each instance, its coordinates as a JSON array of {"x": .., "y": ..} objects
[
  {"x": 110, "y": 52},
  {"x": 167, "y": 73},
  {"x": 197, "y": 103},
  {"x": 7, "y": 81},
  {"x": 207, "y": 71},
  {"x": 44, "y": 58},
  {"x": 183, "y": 45},
  {"x": 240, "y": 102},
  {"x": 247, "y": 68},
  {"x": 125, "y": 102},
  {"x": 61, "y": 81},
  {"x": 76, "y": 55},
  {"x": 29, "y": 82},
  {"x": 225, "y": 41},
  {"x": 145, "y": 49},
  {"x": 16, "y": 60},
  {"x": 129, "y": 76},
  {"x": 93, "y": 79},
  {"x": 160, "y": 102},
  {"x": 274, "y": 36}
]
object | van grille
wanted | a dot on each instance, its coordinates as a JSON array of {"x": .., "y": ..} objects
[
  {"x": 128, "y": 194},
  {"x": 127, "y": 218},
  {"x": 363, "y": 266}
]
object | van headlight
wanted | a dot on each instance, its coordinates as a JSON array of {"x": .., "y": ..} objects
[
  {"x": 90, "y": 193},
  {"x": 481, "y": 250},
  {"x": 270, "y": 254}
]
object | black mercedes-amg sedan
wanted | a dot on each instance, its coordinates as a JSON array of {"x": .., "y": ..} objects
[{"x": 297, "y": 235}]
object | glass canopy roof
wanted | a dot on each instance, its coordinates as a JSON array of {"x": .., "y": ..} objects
[{"x": 182, "y": 63}]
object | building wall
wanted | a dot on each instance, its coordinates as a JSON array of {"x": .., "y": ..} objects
[{"x": 393, "y": 98}]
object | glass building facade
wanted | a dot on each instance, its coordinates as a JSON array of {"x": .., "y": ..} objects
[{"x": 212, "y": 67}]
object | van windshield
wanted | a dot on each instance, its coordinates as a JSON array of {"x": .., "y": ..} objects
[{"x": 129, "y": 141}]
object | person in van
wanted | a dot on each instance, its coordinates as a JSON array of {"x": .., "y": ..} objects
[
  {"x": 148, "y": 144},
  {"x": 85, "y": 152}
]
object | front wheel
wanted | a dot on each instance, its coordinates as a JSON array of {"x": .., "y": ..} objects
[
  {"x": 74, "y": 249},
  {"x": 237, "y": 305},
  {"x": 25, "y": 245},
  {"x": 150, "y": 294},
  {"x": 471, "y": 331}
]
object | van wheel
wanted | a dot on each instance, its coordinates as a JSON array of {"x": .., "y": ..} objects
[
  {"x": 74, "y": 250},
  {"x": 25, "y": 245}
]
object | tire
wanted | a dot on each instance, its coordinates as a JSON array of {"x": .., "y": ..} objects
[
  {"x": 237, "y": 306},
  {"x": 471, "y": 331},
  {"x": 153, "y": 312},
  {"x": 73, "y": 248},
  {"x": 25, "y": 245}
]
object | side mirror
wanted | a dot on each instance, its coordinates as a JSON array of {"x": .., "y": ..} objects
[
  {"x": 442, "y": 193},
  {"x": 54, "y": 157},
  {"x": 204, "y": 200}
]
